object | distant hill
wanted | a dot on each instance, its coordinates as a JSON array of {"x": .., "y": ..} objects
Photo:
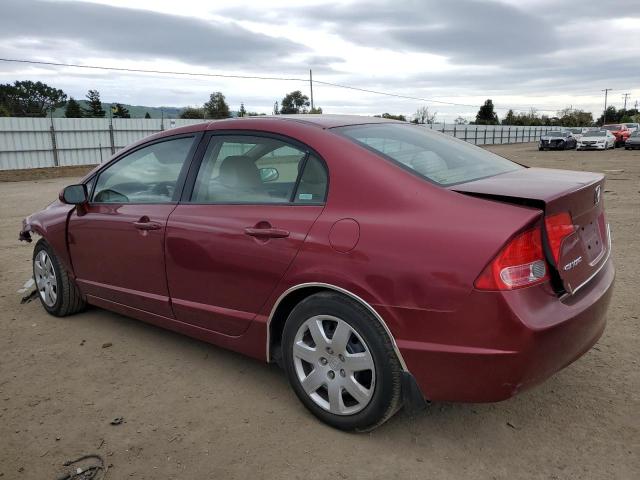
[{"x": 136, "y": 111}]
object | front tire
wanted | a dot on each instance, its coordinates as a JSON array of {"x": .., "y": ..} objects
[
  {"x": 58, "y": 293},
  {"x": 341, "y": 363}
]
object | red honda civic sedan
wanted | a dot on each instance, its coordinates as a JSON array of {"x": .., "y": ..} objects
[{"x": 378, "y": 262}]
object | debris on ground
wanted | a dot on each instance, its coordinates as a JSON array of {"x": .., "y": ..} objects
[
  {"x": 107, "y": 345},
  {"x": 87, "y": 467},
  {"x": 512, "y": 425},
  {"x": 117, "y": 421},
  {"x": 28, "y": 291}
]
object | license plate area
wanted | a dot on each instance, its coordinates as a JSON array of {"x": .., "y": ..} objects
[{"x": 591, "y": 239}]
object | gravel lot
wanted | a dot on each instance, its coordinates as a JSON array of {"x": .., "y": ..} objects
[{"x": 192, "y": 410}]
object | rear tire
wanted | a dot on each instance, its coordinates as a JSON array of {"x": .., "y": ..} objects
[
  {"x": 58, "y": 293},
  {"x": 333, "y": 347}
]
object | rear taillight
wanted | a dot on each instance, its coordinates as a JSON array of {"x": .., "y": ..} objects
[
  {"x": 559, "y": 226},
  {"x": 519, "y": 264}
]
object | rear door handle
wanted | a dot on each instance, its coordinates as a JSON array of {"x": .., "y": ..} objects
[{"x": 266, "y": 232}]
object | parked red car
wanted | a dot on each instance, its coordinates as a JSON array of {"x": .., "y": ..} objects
[
  {"x": 620, "y": 131},
  {"x": 380, "y": 263}
]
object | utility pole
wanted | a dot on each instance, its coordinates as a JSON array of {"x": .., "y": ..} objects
[
  {"x": 625, "y": 96},
  {"x": 311, "y": 87},
  {"x": 604, "y": 115}
]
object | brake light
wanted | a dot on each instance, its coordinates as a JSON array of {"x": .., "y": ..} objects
[
  {"x": 519, "y": 264},
  {"x": 559, "y": 226}
]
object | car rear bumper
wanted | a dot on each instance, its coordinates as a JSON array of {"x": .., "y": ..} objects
[{"x": 528, "y": 335}]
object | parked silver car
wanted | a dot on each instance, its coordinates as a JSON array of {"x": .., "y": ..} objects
[{"x": 557, "y": 139}]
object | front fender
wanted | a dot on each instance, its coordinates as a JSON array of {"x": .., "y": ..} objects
[{"x": 50, "y": 224}]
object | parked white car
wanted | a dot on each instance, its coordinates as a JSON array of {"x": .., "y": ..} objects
[
  {"x": 578, "y": 132},
  {"x": 597, "y": 140},
  {"x": 634, "y": 127}
]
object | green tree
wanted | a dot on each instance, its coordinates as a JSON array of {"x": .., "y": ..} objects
[
  {"x": 316, "y": 110},
  {"x": 119, "y": 111},
  {"x": 94, "y": 105},
  {"x": 392, "y": 117},
  {"x": 573, "y": 117},
  {"x": 460, "y": 121},
  {"x": 147, "y": 116},
  {"x": 192, "y": 113},
  {"x": 486, "y": 114},
  {"x": 73, "y": 109},
  {"x": 510, "y": 118},
  {"x": 242, "y": 112},
  {"x": 30, "y": 99},
  {"x": 294, "y": 102},
  {"x": 217, "y": 106}
]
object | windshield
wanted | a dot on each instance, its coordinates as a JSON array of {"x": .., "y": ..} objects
[
  {"x": 555, "y": 133},
  {"x": 612, "y": 128},
  {"x": 631, "y": 125},
  {"x": 597, "y": 133},
  {"x": 635, "y": 134},
  {"x": 575, "y": 130},
  {"x": 437, "y": 157}
]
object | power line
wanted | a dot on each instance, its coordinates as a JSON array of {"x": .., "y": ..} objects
[
  {"x": 261, "y": 77},
  {"x": 140, "y": 70},
  {"x": 222, "y": 75}
]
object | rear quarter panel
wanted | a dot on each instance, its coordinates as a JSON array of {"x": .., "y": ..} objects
[{"x": 420, "y": 246}]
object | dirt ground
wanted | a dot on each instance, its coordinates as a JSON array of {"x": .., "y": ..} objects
[{"x": 192, "y": 410}]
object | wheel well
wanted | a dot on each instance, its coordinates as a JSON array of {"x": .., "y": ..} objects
[
  {"x": 286, "y": 305},
  {"x": 279, "y": 317}
]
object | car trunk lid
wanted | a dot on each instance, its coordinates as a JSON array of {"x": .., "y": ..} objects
[{"x": 581, "y": 253}]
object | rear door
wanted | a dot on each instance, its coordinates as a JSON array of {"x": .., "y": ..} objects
[
  {"x": 116, "y": 241},
  {"x": 251, "y": 203}
]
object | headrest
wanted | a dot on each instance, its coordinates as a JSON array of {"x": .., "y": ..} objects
[{"x": 238, "y": 170}]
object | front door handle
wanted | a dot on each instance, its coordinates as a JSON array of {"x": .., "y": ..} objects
[
  {"x": 145, "y": 224},
  {"x": 266, "y": 232}
]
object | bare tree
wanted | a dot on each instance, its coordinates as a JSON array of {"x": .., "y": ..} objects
[
  {"x": 460, "y": 121},
  {"x": 423, "y": 115}
]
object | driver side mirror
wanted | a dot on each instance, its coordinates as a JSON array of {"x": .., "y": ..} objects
[{"x": 74, "y": 194}]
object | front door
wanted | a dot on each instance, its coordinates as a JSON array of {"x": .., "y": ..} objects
[
  {"x": 253, "y": 202},
  {"x": 116, "y": 241}
]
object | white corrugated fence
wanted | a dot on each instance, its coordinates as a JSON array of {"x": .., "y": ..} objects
[
  {"x": 46, "y": 142},
  {"x": 50, "y": 142}
]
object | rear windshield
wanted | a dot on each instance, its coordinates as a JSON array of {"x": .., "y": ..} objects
[
  {"x": 612, "y": 127},
  {"x": 437, "y": 157}
]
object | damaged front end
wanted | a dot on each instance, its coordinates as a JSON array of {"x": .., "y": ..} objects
[{"x": 25, "y": 232}]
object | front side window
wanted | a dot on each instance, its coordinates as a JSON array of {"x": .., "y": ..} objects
[
  {"x": 147, "y": 175},
  {"x": 441, "y": 159},
  {"x": 246, "y": 169}
]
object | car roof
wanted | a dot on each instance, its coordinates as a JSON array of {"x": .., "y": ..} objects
[{"x": 320, "y": 121}]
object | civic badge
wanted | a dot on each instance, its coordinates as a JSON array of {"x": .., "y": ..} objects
[{"x": 596, "y": 197}]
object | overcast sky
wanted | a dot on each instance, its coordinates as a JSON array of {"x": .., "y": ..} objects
[{"x": 528, "y": 53}]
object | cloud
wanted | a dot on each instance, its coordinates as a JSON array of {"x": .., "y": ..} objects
[{"x": 140, "y": 34}]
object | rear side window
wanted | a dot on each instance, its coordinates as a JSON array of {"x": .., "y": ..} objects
[
  {"x": 258, "y": 170},
  {"x": 439, "y": 158}
]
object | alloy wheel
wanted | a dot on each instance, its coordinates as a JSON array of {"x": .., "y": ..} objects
[
  {"x": 46, "y": 280},
  {"x": 334, "y": 365}
]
